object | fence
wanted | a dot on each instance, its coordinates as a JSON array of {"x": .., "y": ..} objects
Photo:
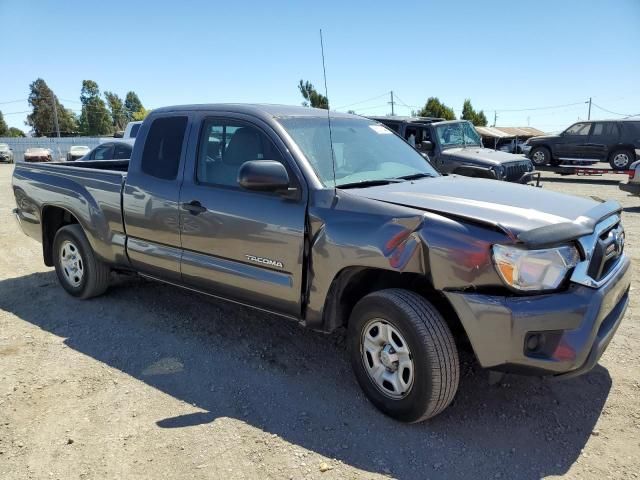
[{"x": 59, "y": 146}]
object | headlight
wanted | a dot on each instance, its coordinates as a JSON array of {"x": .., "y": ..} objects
[
  {"x": 498, "y": 170},
  {"x": 534, "y": 270}
]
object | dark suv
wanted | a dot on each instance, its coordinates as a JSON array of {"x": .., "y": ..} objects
[
  {"x": 613, "y": 141},
  {"x": 456, "y": 147}
]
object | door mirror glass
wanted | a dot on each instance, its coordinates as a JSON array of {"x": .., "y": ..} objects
[
  {"x": 263, "y": 176},
  {"x": 426, "y": 145}
]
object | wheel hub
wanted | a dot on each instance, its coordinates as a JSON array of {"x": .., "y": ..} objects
[
  {"x": 387, "y": 359},
  {"x": 71, "y": 263}
]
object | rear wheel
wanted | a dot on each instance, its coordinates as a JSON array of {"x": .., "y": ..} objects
[
  {"x": 621, "y": 159},
  {"x": 403, "y": 354},
  {"x": 79, "y": 271},
  {"x": 540, "y": 156}
]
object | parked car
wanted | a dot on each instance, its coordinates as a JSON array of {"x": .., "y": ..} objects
[
  {"x": 77, "y": 151},
  {"x": 513, "y": 145},
  {"x": 109, "y": 151},
  {"x": 633, "y": 183},
  {"x": 253, "y": 204},
  {"x": 456, "y": 147},
  {"x": 131, "y": 130},
  {"x": 6, "y": 153},
  {"x": 38, "y": 154},
  {"x": 613, "y": 141}
]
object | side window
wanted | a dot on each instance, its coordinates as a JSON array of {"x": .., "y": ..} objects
[
  {"x": 163, "y": 146},
  {"x": 394, "y": 127},
  {"x": 103, "y": 152},
  {"x": 410, "y": 135},
  {"x": 611, "y": 129},
  {"x": 599, "y": 129},
  {"x": 225, "y": 146},
  {"x": 579, "y": 129},
  {"x": 122, "y": 152}
]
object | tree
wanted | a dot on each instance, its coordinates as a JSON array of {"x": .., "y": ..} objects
[
  {"x": 4, "y": 128},
  {"x": 132, "y": 104},
  {"x": 435, "y": 108},
  {"x": 312, "y": 97},
  {"x": 95, "y": 118},
  {"x": 117, "y": 111},
  {"x": 15, "y": 132},
  {"x": 468, "y": 113},
  {"x": 42, "y": 117},
  {"x": 140, "y": 114}
]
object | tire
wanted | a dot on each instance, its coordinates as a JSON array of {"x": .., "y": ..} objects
[
  {"x": 419, "y": 339},
  {"x": 540, "y": 156},
  {"x": 81, "y": 274},
  {"x": 621, "y": 159}
]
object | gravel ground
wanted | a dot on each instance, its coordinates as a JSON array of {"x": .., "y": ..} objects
[{"x": 149, "y": 381}]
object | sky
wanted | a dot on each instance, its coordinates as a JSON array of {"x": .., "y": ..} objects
[{"x": 516, "y": 58}]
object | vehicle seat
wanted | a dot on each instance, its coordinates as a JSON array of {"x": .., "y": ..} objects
[{"x": 245, "y": 145}]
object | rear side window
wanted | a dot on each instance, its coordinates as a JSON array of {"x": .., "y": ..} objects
[
  {"x": 122, "y": 152},
  {"x": 163, "y": 146},
  {"x": 134, "y": 130}
]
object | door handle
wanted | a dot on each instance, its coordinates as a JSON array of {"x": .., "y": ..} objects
[{"x": 194, "y": 207}]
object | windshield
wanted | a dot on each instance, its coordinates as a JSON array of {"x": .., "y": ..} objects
[
  {"x": 365, "y": 151},
  {"x": 459, "y": 134},
  {"x": 4, "y": 146}
]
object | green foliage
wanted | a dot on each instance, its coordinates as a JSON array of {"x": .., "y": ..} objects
[
  {"x": 4, "y": 128},
  {"x": 117, "y": 111},
  {"x": 468, "y": 113},
  {"x": 140, "y": 114},
  {"x": 132, "y": 104},
  {"x": 41, "y": 118},
  {"x": 312, "y": 97},
  {"x": 15, "y": 132},
  {"x": 95, "y": 118},
  {"x": 435, "y": 108}
]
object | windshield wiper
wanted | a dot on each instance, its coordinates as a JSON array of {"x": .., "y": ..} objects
[
  {"x": 416, "y": 176},
  {"x": 369, "y": 183}
]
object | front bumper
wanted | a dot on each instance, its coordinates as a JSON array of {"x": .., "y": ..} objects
[
  {"x": 630, "y": 187},
  {"x": 573, "y": 328}
]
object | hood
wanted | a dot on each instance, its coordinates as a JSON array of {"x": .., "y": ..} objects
[
  {"x": 542, "y": 139},
  {"x": 517, "y": 208},
  {"x": 4, "y": 149},
  {"x": 484, "y": 155}
]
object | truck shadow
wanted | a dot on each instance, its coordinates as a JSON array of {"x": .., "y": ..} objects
[{"x": 272, "y": 374}]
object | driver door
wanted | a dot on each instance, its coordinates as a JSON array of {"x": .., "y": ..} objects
[
  {"x": 574, "y": 142},
  {"x": 246, "y": 246}
]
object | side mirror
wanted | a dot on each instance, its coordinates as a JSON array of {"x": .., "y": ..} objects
[
  {"x": 263, "y": 176},
  {"x": 426, "y": 145}
]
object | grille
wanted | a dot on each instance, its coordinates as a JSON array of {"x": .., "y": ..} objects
[
  {"x": 515, "y": 170},
  {"x": 607, "y": 252}
]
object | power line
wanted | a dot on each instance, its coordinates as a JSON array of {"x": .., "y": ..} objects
[
  {"x": 14, "y": 101},
  {"x": 363, "y": 101},
  {"x": 609, "y": 111}
]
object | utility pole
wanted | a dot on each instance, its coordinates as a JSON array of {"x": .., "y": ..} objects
[
  {"x": 391, "y": 102},
  {"x": 55, "y": 115},
  {"x": 495, "y": 117},
  {"x": 589, "y": 114}
]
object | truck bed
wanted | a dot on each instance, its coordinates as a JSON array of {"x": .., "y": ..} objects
[{"x": 92, "y": 191}]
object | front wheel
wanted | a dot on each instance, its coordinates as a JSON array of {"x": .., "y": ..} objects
[
  {"x": 79, "y": 271},
  {"x": 540, "y": 156},
  {"x": 620, "y": 159},
  {"x": 403, "y": 354}
]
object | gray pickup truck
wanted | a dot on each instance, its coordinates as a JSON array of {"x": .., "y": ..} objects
[{"x": 342, "y": 227}]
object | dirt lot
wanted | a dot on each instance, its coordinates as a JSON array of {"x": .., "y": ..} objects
[{"x": 149, "y": 381}]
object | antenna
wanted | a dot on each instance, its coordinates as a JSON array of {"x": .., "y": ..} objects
[{"x": 326, "y": 94}]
